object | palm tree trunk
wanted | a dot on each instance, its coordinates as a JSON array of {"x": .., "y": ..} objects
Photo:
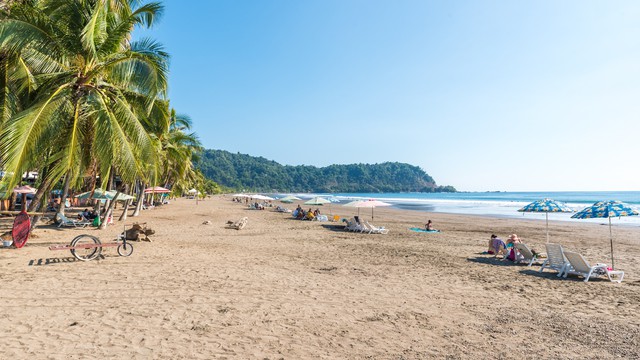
[
  {"x": 35, "y": 205},
  {"x": 65, "y": 193},
  {"x": 123, "y": 217},
  {"x": 108, "y": 212},
  {"x": 140, "y": 199}
]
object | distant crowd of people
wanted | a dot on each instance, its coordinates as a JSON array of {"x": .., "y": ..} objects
[{"x": 300, "y": 214}]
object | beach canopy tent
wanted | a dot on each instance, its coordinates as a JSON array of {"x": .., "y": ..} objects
[
  {"x": 289, "y": 199},
  {"x": 371, "y": 203},
  {"x": 606, "y": 209},
  {"x": 240, "y": 195},
  {"x": 546, "y": 206},
  {"x": 317, "y": 201},
  {"x": 157, "y": 190},
  {"x": 192, "y": 191}
]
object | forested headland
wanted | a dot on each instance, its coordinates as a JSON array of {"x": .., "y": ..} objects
[{"x": 250, "y": 173}]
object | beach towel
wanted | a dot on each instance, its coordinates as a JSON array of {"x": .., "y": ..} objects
[{"x": 423, "y": 230}]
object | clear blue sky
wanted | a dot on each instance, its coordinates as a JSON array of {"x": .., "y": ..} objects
[{"x": 483, "y": 95}]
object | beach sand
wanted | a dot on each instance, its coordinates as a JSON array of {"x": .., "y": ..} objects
[{"x": 289, "y": 289}]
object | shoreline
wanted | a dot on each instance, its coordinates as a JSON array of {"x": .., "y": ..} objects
[{"x": 285, "y": 288}]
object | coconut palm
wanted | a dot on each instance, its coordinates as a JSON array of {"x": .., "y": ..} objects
[{"x": 91, "y": 88}]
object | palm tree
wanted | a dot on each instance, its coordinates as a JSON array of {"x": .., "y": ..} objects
[{"x": 92, "y": 88}]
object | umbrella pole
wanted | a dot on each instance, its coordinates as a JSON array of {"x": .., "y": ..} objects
[
  {"x": 547, "y": 217},
  {"x": 611, "y": 240},
  {"x": 371, "y": 214}
]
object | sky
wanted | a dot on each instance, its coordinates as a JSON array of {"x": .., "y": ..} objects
[{"x": 482, "y": 95}]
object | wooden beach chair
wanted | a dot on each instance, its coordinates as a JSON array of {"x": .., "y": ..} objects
[
  {"x": 580, "y": 266},
  {"x": 555, "y": 259}
]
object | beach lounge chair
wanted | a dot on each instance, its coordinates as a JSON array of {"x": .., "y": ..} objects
[
  {"x": 580, "y": 266},
  {"x": 527, "y": 256},
  {"x": 64, "y": 221},
  {"x": 555, "y": 259},
  {"x": 376, "y": 230},
  {"x": 238, "y": 225}
]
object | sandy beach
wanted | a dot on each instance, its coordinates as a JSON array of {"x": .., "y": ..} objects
[{"x": 288, "y": 289}]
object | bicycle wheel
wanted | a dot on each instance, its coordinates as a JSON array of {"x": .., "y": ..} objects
[
  {"x": 86, "y": 247},
  {"x": 125, "y": 249}
]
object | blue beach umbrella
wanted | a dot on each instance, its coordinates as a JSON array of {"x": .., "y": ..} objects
[
  {"x": 546, "y": 206},
  {"x": 606, "y": 209}
]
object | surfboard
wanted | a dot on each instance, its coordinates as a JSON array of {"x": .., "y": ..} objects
[{"x": 21, "y": 229}]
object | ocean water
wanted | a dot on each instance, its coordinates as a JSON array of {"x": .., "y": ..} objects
[{"x": 496, "y": 204}]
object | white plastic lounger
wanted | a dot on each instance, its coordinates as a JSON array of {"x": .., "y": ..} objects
[
  {"x": 377, "y": 230},
  {"x": 581, "y": 267},
  {"x": 66, "y": 222},
  {"x": 555, "y": 259},
  {"x": 527, "y": 255}
]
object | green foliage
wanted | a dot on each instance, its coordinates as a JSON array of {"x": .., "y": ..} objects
[{"x": 244, "y": 172}]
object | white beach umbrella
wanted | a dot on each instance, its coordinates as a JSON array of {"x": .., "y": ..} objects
[
  {"x": 371, "y": 203},
  {"x": 317, "y": 201},
  {"x": 289, "y": 199}
]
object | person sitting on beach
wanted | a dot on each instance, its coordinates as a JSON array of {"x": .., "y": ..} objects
[
  {"x": 316, "y": 212},
  {"x": 429, "y": 227},
  {"x": 497, "y": 246},
  {"x": 309, "y": 215},
  {"x": 511, "y": 247}
]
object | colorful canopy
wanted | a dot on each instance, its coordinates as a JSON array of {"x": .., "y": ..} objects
[
  {"x": 606, "y": 209},
  {"x": 546, "y": 206},
  {"x": 157, "y": 190}
]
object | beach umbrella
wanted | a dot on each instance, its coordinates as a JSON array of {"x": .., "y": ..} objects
[
  {"x": 606, "y": 209},
  {"x": 98, "y": 194},
  {"x": 371, "y": 203},
  {"x": 24, "y": 189},
  {"x": 353, "y": 204},
  {"x": 289, "y": 199},
  {"x": 240, "y": 195},
  {"x": 121, "y": 196},
  {"x": 156, "y": 190},
  {"x": 546, "y": 206},
  {"x": 192, "y": 191},
  {"x": 317, "y": 201}
]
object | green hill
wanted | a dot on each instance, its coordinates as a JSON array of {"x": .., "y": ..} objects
[{"x": 251, "y": 173}]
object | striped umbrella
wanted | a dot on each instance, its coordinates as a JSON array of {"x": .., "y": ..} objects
[
  {"x": 546, "y": 206},
  {"x": 606, "y": 209}
]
